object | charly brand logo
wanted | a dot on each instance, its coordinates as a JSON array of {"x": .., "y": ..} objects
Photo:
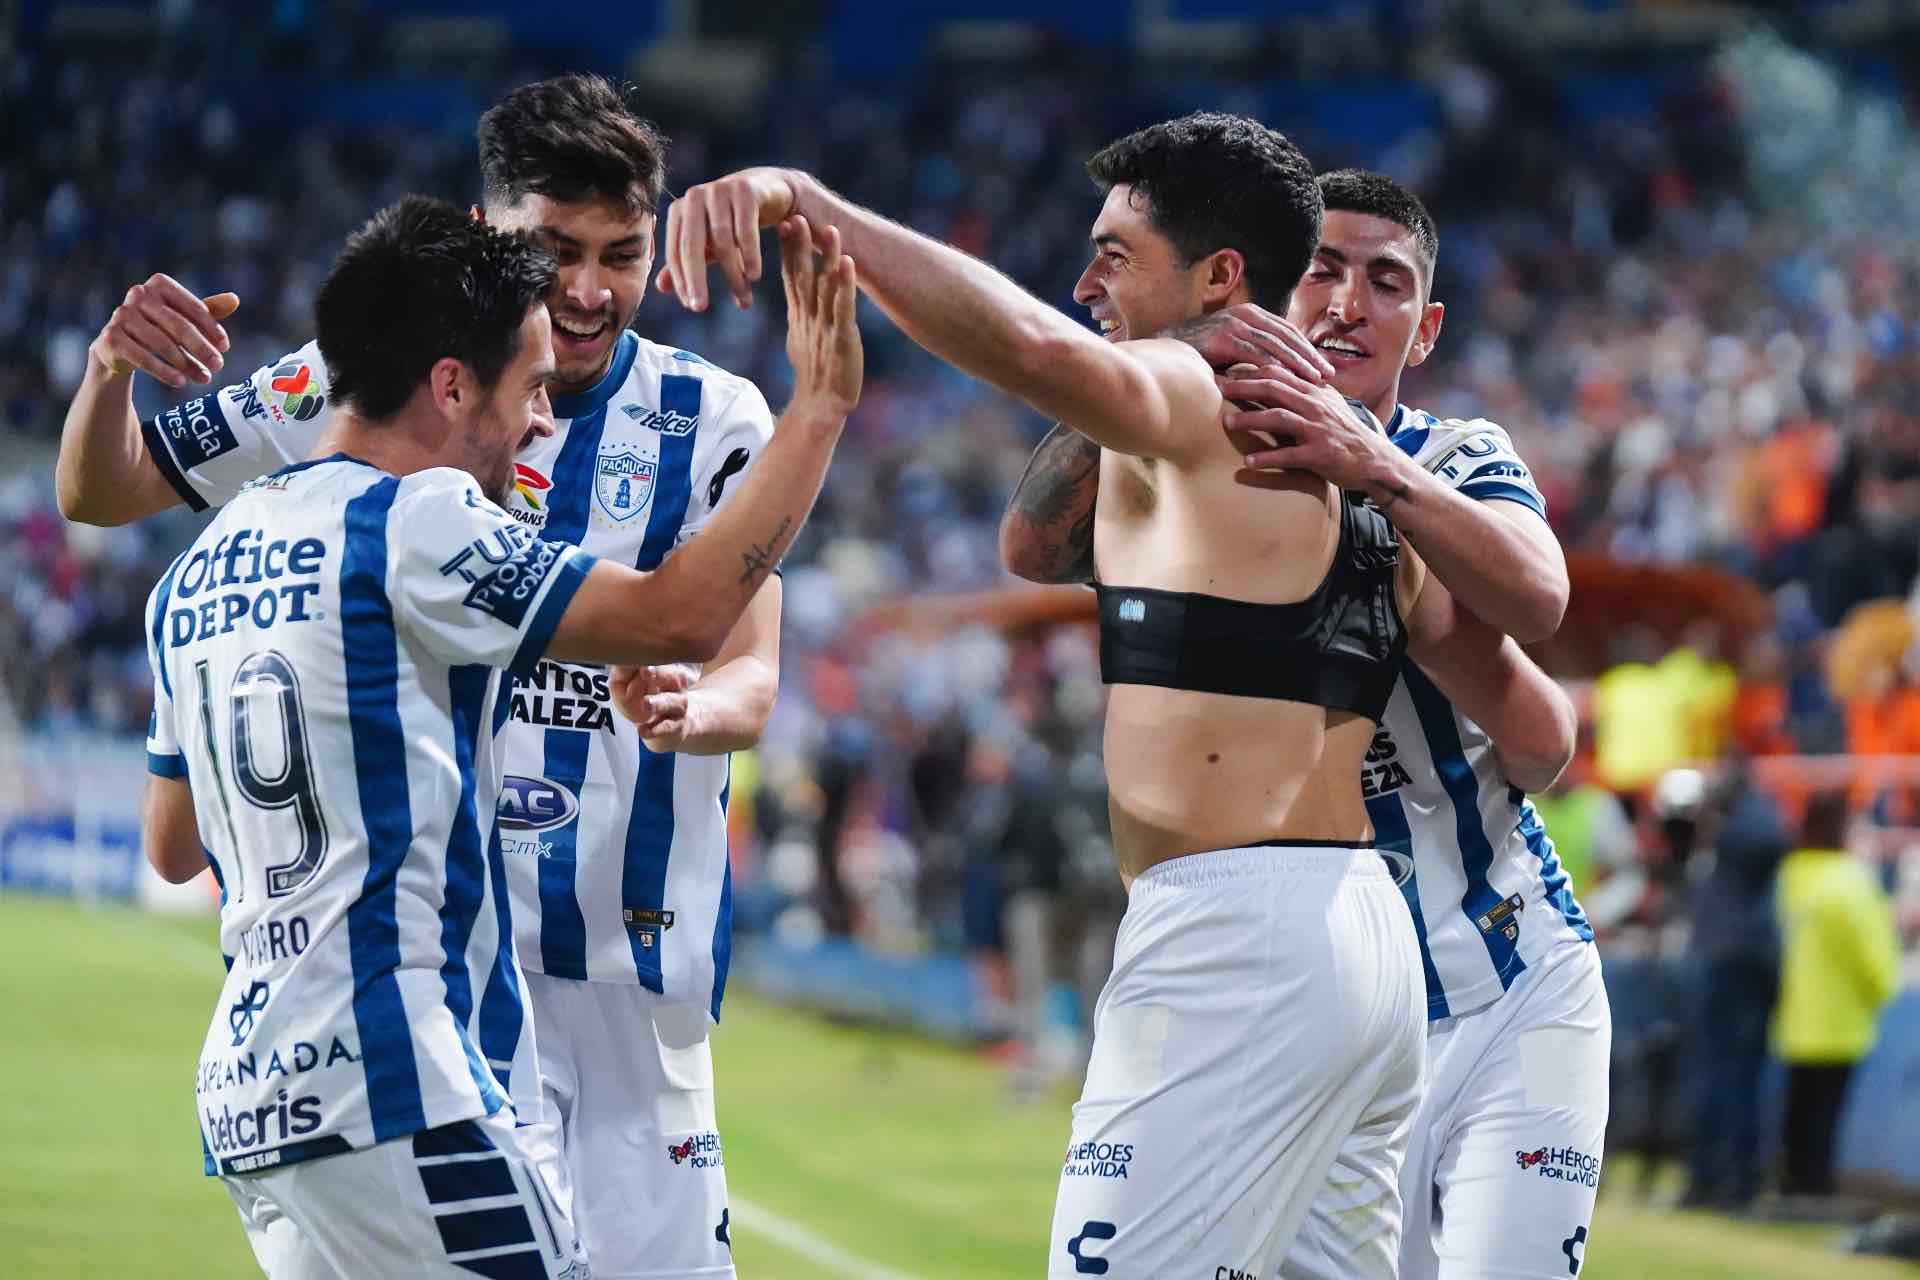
[
  {"x": 1085, "y": 1263},
  {"x": 534, "y": 804},
  {"x": 623, "y": 484},
  {"x": 1573, "y": 1246},
  {"x": 241, "y": 1013}
]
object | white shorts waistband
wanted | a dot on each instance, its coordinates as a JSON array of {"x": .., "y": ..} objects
[{"x": 1307, "y": 860}]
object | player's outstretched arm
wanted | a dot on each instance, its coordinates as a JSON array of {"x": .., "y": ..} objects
[
  {"x": 1129, "y": 397},
  {"x": 684, "y": 610},
  {"x": 104, "y": 475},
  {"x": 169, "y": 831},
  {"x": 1486, "y": 674},
  {"x": 1046, "y": 534}
]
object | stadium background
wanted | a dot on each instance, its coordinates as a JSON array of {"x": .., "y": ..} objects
[{"x": 1679, "y": 267}]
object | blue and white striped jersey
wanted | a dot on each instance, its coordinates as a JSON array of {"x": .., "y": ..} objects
[
  {"x": 617, "y": 856},
  {"x": 325, "y": 661},
  {"x": 1488, "y": 894}
]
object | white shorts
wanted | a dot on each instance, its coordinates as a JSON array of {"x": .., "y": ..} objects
[
  {"x": 455, "y": 1202},
  {"x": 1261, "y": 1030},
  {"x": 629, "y": 1128},
  {"x": 1505, "y": 1162}
]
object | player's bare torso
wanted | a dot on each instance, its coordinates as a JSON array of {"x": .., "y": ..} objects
[{"x": 1191, "y": 771}]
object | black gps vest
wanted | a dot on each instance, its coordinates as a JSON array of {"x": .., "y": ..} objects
[{"x": 1339, "y": 648}]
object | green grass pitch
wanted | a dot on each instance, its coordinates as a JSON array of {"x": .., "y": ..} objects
[{"x": 850, "y": 1151}]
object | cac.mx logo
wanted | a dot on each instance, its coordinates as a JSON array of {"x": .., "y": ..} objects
[
  {"x": 1084, "y": 1263},
  {"x": 241, "y": 1012},
  {"x": 623, "y": 484}
]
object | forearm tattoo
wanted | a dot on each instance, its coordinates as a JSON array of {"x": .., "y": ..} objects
[
  {"x": 761, "y": 558},
  {"x": 1056, "y": 495}
]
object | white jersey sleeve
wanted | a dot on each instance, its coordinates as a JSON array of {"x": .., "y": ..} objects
[
  {"x": 207, "y": 448},
  {"x": 728, "y": 446},
  {"x": 165, "y": 759},
  {"x": 1475, "y": 456},
  {"x": 472, "y": 584}
]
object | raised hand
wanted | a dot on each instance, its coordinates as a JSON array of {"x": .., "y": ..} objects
[
  {"x": 823, "y": 338},
  {"x": 720, "y": 222},
  {"x": 164, "y": 331}
]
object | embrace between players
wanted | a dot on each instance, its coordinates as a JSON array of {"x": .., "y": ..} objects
[{"x": 1335, "y": 1009}]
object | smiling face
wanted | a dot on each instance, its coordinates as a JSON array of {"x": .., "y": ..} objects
[
  {"x": 1136, "y": 285},
  {"x": 514, "y": 412},
  {"x": 1363, "y": 303},
  {"x": 604, "y": 252}
]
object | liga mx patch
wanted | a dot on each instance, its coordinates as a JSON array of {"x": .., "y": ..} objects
[
  {"x": 646, "y": 923},
  {"x": 1504, "y": 917},
  {"x": 623, "y": 483}
]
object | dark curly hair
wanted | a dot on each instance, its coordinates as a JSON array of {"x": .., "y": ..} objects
[
  {"x": 574, "y": 137},
  {"x": 1212, "y": 181},
  {"x": 1364, "y": 191},
  {"x": 420, "y": 282}
]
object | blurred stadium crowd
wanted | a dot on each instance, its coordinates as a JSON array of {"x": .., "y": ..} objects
[{"x": 1676, "y": 289}]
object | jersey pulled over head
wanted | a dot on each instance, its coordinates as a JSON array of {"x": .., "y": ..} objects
[
  {"x": 431, "y": 325},
  {"x": 1201, "y": 213},
  {"x": 570, "y": 165}
]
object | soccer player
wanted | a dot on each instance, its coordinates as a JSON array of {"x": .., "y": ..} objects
[
  {"x": 616, "y": 849},
  {"x": 326, "y": 702},
  {"x": 1260, "y": 1038},
  {"x": 1505, "y": 1160}
]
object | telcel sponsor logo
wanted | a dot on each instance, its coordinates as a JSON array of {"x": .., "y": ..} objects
[{"x": 534, "y": 804}]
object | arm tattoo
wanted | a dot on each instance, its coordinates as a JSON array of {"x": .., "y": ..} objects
[
  {"x": 1056, "y": 495},
  {"x": 759, "y": 559}
]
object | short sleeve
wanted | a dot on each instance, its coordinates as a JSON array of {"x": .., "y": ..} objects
[
  {"x": 165, "y": 759},
  {"x": 728, "y": 447},
  {"x": 469, "y": 582},
  {"x": 1477, "y": 458},
  {"x": 207, "y": 448}
]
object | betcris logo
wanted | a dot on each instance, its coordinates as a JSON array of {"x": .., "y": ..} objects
[
  {"x": 231, "y": 1132},
  {"x": 197, "y": 430},
  {"x": 534, "y": 804}
]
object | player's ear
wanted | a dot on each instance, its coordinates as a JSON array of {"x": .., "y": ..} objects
[
  {"x": 451, "y": 385},
  {"x": 1222, "y": 272},
  {"x": 1428, "y": 332}
]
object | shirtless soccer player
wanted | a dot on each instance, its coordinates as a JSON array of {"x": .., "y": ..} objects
[
  {"x": 614, "y": 831},
  {"x": 1501, "y": 1174},
  {"x": 1258, "y": 1042}
]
